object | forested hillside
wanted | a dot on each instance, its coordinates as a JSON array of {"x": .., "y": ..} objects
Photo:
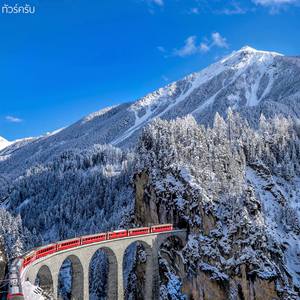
[{"x": 237, "y": 191}]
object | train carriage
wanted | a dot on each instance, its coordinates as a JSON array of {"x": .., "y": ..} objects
[
  {"x": 44, "y": 251},
  {"x": 161, "y": 228},
  {"x": 95, "y": 238},
  {"x": 68, "y": 244},
  {"x": 28, "y": 259},
  {"x": 117, "y": 234},
  {"x": 138, "y": 231}
]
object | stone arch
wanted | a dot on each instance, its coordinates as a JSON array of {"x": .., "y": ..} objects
[
  {"x": 77, "y": 277},
  {"x": 44, "y": 280},
  {"x": 112, "y": 271},
  {"x": 142, "y": 251}
]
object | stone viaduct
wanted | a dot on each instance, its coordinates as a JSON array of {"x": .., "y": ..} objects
[{"x": 47, "y": 269}]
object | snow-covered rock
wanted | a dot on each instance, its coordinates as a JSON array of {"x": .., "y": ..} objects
[{"x": 236, "y": 189}]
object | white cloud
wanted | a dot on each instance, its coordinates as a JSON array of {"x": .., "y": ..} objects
[
  {"x": 158, "y": 2},
  {"x": 233, "y": 8},
  {"x": 13, "y": 119},
  {"x": 274, "y": 2},
  {"x": 153, "y": 4},
  {"x": 189, "y": 47},
  {"x": 218, "y": 40},
  {"x": 161, "y": 49},
  {"x": 204, "y": 47},
  {"x": 276, "y": 6},
  {"x": 194, "y": 11}
]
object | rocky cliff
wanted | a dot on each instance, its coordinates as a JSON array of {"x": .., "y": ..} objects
[{"x": 219, "y": 183}]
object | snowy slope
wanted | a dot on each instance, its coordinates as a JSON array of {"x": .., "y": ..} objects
[
  {"x": 248, "y": 80},
  {"x": 3, "y": 143},
  {"x": 274, "y": 217},
  {"x": 244, "y": 78}
]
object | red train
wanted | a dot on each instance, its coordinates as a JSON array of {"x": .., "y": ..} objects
[{"x": 89, "y": 239}]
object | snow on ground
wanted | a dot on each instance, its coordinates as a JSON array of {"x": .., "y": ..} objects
[
  {"x": 98, "y": 113},
  {"x": 4, "y": 143},
  {"x": 274, "y": 211},
  {"x": 31, "y": 292}
]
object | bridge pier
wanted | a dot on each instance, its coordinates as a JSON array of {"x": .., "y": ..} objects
[
  {"x": 120, "y": 276},
  {"x": 55, "y": 286},
  {"x": 155, "y": 276},
  {"x": 86, "y": 290},
  {"x": 55, "y": 268}
]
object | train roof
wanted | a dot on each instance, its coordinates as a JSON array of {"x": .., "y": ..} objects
[
  {"x": 95, "y": 234},
  {"x": 138, "y": 228},
  {"x": 44, "y": 246},
  {"x": 69, "y": 240}
]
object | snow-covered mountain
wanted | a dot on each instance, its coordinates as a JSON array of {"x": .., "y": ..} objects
[
  {"x": 248, "y": 80},
  {"x": 3, "y": 143}
]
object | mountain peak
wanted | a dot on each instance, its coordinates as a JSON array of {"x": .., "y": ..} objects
[
  {"x": 3, "y": 140},
  {"x": 249, "y": 49},
  {"x": 3, "y": 143}
]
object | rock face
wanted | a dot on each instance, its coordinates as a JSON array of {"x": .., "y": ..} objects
[
  {"x": 241, "y": 286},
  {"x": 220, "y": 183}
]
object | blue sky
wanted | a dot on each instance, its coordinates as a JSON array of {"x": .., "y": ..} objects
[{"x": 73, "y": 57}]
